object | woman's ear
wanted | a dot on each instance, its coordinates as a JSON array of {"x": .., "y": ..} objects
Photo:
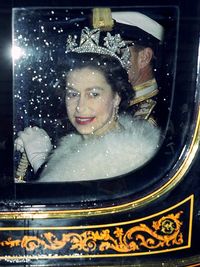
[
  {"x": 117, "y": 100},
  {"x": 144, "y": 57}
]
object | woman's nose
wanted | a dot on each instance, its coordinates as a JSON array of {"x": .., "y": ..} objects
[{"x": 81, "y": 104}]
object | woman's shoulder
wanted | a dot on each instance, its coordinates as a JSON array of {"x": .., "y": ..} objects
[
  {"x": 138, "y": 140},
  {"x": 137, "y": 131},
  {"x": 142, "y": 126}
]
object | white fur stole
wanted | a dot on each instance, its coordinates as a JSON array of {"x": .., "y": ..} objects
[{"x": 116, "y": 153}]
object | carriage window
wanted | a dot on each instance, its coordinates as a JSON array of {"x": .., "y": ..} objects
[{"x": 92, "y": 97}]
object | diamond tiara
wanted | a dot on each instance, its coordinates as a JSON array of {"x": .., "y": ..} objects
[{"x": 89, "y": 43}]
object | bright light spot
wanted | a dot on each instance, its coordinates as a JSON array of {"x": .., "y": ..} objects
[{"x": 17, "y": 52}]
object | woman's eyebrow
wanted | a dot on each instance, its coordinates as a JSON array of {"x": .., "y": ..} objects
[
  {"x": 70, "y": 88},
  {"x": 94, "y": 88}
]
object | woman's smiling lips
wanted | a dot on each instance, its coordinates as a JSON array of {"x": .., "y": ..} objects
[{"x": 84, "y": 120}]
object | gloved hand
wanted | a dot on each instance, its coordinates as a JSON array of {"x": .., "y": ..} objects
[{"x": 36, "y": 143}]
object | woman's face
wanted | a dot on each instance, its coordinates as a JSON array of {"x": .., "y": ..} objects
[{"x": 90, "y": 101}]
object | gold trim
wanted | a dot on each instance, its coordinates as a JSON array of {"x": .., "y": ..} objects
[
  {"x": 152, "y": 121},
  {"x": 194, "y": 265},
  {"x": 145, "y": 112},
  {"x": 143, "y": 98},
  {"x": 37, "y": 215},
  {"x": 157, "y": 233},
  {"x": 102, "y": 19},
  {"x": 163, "y": 233},
  {"x": 144, "y": 85}
]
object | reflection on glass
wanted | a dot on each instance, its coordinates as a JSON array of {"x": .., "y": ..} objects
[{"x": 85, "y": 96}]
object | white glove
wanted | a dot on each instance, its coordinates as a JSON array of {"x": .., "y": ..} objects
[{"x": 36, "y": 143}]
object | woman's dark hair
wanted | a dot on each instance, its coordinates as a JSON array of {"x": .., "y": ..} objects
[{"x": 110, "y": 67}]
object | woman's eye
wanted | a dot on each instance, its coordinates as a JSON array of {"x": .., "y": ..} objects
[
  {"x": 94, "y": 94},
  {"x": 71, "y": 94}
]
